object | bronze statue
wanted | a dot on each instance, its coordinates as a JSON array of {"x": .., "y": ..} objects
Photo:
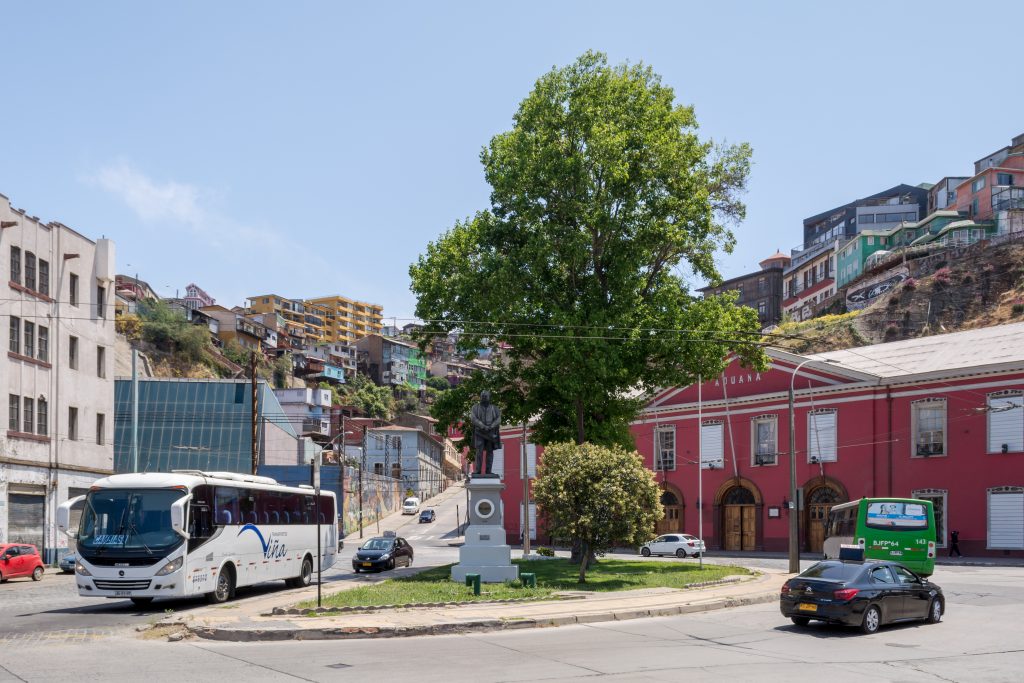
[{"x": 486, "y": 420}]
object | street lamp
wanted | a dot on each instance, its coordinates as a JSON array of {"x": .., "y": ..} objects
[{"x": 794, "y": 511}]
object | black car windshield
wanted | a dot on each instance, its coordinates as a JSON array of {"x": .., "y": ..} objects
[
  {"x": 833, "y": 571},
  {"x": 377, "y": 544},
  {"x": 121, "y": 519}
]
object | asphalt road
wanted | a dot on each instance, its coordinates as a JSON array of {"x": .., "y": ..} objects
[
  {"x": 979, "y": 640},
  {"x": 51, "y": 609}
]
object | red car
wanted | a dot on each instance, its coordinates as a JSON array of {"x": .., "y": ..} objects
[{"x": 18, "y": 559}]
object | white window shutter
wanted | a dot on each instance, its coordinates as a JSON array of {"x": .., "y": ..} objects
[
  {"x": 1005, "y": 424},
  {"x": 712, "y": 446},
  {"x": 821, "y": 436},
  {"x": 533, "y": 520},
  {"x": 498, "y": 466},
  {"x": 1006, "y": 520},
  {"x": 531, "y": 460}
]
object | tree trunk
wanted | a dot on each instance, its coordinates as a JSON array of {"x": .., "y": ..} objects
[{"x": 585, "y": 547}]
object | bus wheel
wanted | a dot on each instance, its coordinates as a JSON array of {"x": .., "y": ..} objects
[
  {"x": 142, "y": 602},
  {"x": 225, "y": 586},
  {"x": 306, "y": 576}
]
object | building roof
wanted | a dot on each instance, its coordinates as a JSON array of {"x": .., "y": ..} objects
[{"x": 985, "y": 346}]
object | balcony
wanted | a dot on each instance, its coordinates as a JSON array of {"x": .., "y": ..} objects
[
  {"x": 1009, "y": 198},
  {"x": 316, "y": 425}
]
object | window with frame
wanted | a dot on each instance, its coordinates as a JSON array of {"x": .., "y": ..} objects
[
  {"x": 72, "y": 423},
  {"x": 30, "y": 339},
  {"x": 101, "y": 361},
  {"x": 978, "y": 184},
  {"x": 821, "y": 436},
  {"x": 44, "y": 277},
  {"x": 14, "y": 412},
  {"x": 73, "y": 289},
  {"x": 30, "y": 270},
  {"x": 43, "y": 347},
  {"x": 42, "y": 417},
  {"x": 764, "y": 435},
  {"x": 712, "y": 445},
  {"x": 101, "y": 428},
  {"x": 1003, "y": 179},
  {"x": 101, "y": 301},
  {"x": 73, "y": 353},
  {"x": 16, "y": 265},
  {"x": 928, "y": 421},
  {"x": 15, "y": 343},
  {"x": 28, "y": 422},
  {"x": 1006, "y": 422},
  {"x": 665, "y": 445}
]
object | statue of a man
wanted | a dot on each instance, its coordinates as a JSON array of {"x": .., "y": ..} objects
[{"x": 486, "y": 420}]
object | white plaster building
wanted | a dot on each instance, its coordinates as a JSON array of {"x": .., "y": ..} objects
[{"x": 57, "y": 316}]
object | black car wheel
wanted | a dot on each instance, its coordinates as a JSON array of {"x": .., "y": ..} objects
[
  {"x": 391, "y": 563},
  {"x": 646, "y": 552},
  {"x": 800, "y": 621},
  {"x": 680, "y": 553},
  {"x": 356, "y": 569},
  {"x": 935, "y": 611},
  {"x": 872, "y": 620}
]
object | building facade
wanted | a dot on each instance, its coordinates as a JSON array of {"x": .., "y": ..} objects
[
  {"x": 761, "y": 290},
  {"x": 810, "y": 279},
  {"x": 938, "y": 417},
  {"x": 392, "y": 362},
  {"x": 407, "y": 454},
  {"x": 196, "y": 297},
  {"x": 308, "y": 410},
  {"x": 879, "y": 211},
  {"x": 346, "y": 320},
  {"x": 58, "y": 372}
]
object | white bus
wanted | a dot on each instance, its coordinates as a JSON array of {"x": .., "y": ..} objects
[{"x": 186, "y": 533}]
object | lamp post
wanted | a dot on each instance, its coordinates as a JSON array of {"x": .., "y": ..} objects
[{"x": 794, "y": 510}]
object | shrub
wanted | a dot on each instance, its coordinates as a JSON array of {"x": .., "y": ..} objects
[
  {"x": 967, "y": 278},
  {"x": 130, "y": 325},
  {"x": 943, "y": 276},
  {"x": 891, "y": 330},
  {"x": 910, "y": 284},
  {"x": 545, "y": 552},
  {"x": 1018, "y": 307}
]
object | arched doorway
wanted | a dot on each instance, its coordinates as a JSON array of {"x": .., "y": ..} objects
[
  {"x": 822, "y": 494},
  {"x": 672, "y": 505},
  {"x": 737, "y": 515}
]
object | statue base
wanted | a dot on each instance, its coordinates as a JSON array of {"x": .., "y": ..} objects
[{"x": 485, "y": 551}]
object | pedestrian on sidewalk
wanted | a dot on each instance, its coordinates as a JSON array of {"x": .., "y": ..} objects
[{"x": 954, "y": 544}]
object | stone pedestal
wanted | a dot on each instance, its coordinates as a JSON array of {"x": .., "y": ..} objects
[{"x": 485, "y": 551}]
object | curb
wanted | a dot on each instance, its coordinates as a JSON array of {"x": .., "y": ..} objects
[{"x": 356, "y": 632}]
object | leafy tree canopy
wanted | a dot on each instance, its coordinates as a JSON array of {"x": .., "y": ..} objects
[
  {"x": 373, "y": 400},
  {"x": 596, "y": 495},
  {"x": 601, "y": 193}
]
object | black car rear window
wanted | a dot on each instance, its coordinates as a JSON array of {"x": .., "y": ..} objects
[{"x": 833, "y": 571}]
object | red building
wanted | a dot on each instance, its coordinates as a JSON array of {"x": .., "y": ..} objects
[{"x": 938, "y": 417}]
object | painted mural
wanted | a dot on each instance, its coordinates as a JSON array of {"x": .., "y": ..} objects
[{"x": 381, "y": 497}]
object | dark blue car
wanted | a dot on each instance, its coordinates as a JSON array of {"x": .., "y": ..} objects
[{"x": 427, "y": 515}]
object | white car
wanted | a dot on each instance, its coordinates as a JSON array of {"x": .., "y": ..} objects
[{"x": 680, "y": 545}]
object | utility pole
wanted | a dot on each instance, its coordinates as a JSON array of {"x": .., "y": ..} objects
[
  {"x": 526, "y": 496},
  {"x": 135, "y": 411},
  {"x": 362, "y": 466},
  {"x": 255, "y": 411}
]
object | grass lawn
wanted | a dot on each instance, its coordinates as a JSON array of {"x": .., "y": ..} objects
[{"x": 434, "y": 585}]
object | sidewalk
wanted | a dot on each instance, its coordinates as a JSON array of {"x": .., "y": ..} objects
[
  {"x": 812, "y": 557},
  {"x": 396, "y": 520},
  {"x": 252, "y": 620}
]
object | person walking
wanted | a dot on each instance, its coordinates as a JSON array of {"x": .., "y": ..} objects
[{"x": 954, "y": 544}]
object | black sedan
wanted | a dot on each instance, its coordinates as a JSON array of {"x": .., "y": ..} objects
[
  {"x": 383, "y": 552},
  {"x": 865, "y": 594},
  {"x": 427, "y": 515}
]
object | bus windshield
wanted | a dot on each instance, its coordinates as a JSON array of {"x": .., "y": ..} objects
[
  {"x": 120, "y": 519},
  {"x": 894, "y": 516}
]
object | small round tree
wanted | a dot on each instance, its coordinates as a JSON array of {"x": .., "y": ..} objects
[{"x": 597, "y": 496}]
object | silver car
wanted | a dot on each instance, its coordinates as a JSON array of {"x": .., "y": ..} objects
[{"x": 680, "y": 545}]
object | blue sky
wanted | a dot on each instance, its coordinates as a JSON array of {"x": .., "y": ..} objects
[{"x": 312, "y": 148}]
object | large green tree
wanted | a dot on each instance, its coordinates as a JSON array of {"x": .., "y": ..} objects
[
  {"x": 598, "y": 496},
  {"x": 602, "y": 193}
]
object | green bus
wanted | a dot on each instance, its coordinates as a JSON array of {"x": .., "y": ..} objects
[{"x": 897, "y": 529}]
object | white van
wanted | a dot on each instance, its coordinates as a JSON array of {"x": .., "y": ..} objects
[{"x": 411, "y": 506}]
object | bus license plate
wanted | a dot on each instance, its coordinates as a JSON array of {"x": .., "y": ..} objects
[
  {"x": 122, "y": 594},
  {"x": 896, "y": 553},
  {"x": 367, "y": 564},
  {"x": 807, "y": 607}
]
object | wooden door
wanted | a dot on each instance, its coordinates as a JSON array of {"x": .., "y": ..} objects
[
  {"x": 672, "y": 522},
  {"x": 817, "y": 515},
  {"x": 749, "y": 527},
  {"x": 733, "y": 527}
]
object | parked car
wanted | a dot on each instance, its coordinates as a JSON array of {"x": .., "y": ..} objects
[
  {"x": 427, "y": 515},
  {"x": 67, "y": 563},
  {"x": 680, "y": 545},
  {"x": 19, "y": 559},
  {"x": 866, "y": 594},
  {"x": 382, "y": 552},
  {"x": 411, "y": 506}
]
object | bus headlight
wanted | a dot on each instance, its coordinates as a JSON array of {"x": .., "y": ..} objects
[
  {"x": 171, "y": 567},
  {"x": 81, "y": 570}
]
